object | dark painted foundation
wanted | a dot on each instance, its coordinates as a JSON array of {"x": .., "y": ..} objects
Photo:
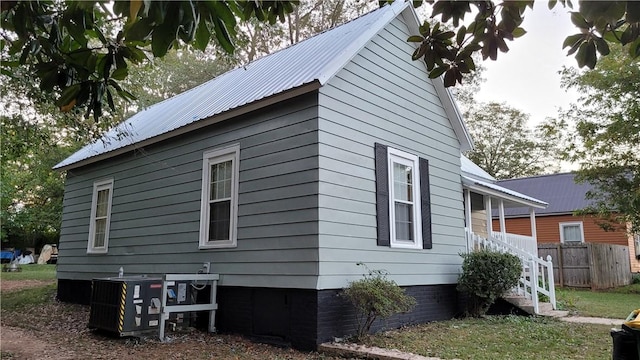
[{"x": 297, "y": 317}]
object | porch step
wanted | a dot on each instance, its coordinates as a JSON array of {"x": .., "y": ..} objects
[{"x": 546, "y": 309}]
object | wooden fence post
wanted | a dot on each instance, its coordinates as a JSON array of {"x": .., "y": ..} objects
[{"x": 560, "y": 262}]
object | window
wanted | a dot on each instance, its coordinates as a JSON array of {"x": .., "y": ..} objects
[
  {"x": 219, "y": 204},
  {"x": 100, "y": 217},
  {"x": 402, "y": 199},
  {"x": 571, "y": 232},
  {"x": 636, "y": 243}
]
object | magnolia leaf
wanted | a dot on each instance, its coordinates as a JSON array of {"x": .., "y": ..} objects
[
  {"x": 438, "y": 71},
  {"x": 203, "y": 35},
  {"x": 602, "y": 46},
  {"x": 120, "y": 73},
  {"x": 586, "y": 55},
  {"x": 162, "y": 38},
  {"x": 461, "y": 33},
  {"x": 69, "y": 106},
  {"x": 450, "y": 77},
  {"x": 518, "y": 32},
  {"x": 578, "y": 20},
  {"x": 68, "y": 97},
  {"x": 415, "y": 38},
  {"x": 134, "y": 7}
]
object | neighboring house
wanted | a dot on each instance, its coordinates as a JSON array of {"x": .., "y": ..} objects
[
  {"x": 557, "y": 223},
  {"x": 284, "y": 174}
]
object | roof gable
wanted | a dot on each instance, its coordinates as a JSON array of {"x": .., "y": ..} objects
[{"x": 300, "y": 68}]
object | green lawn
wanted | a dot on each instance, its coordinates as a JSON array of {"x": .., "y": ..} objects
[
  {"x": 615, "y": 303},
  {"x": 31, "y": 272},
  {"x": 27, "y": 298},
  {"x": 501, "y": 337}
]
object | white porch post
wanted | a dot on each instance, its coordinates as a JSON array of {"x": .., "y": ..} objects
[
  {"x": 487, "y": 208},
  {"x": 534, "y": 235},
  {"x": 503, "y": 225},
  {"x": 532, "y": 217},
  {"x": 467, "y": 218}
]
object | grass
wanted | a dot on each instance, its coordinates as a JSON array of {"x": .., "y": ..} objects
[
  {"x": 500, "y": 337},
  {"x": 31, "y": 272},
  {"x": 28, "y": 298},
  {"x": 492, "y": 337},
  {"x": 615, "y": 303}
]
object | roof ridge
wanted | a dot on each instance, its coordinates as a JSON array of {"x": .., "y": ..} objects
[{"x": 538, "y": 176}]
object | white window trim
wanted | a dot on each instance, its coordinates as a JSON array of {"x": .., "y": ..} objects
[
  {"x": 99, "y": 186},
  {"x": 573, "y": 223},
  {"x": 209, "y": 158},
  {"x": 398, "y": 156}
]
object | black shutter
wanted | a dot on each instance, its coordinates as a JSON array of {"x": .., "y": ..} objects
[
  {"x": 425, "y": 199},
  {"x": 382, "y": 195}
]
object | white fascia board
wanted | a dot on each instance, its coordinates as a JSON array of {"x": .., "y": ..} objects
[
  {"x": 451, "y": 108},
  {"x": 470, "y": 184}
]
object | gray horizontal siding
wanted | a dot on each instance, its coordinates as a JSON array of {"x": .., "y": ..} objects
[
  {"x": 383, "y": 96},
  {"x": 156, "y": 204}
]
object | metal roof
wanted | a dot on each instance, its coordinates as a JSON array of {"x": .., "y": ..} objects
[
  {"x": 490, "y": 188},
  {"x": 312, "y": 61},
  {"x": 478, "y": 180},
  {"x": 470, "y": 169},
  {"x": 559, "y": 190}
]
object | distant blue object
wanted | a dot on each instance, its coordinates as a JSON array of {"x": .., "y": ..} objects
[{"x": 7, "y": 255}]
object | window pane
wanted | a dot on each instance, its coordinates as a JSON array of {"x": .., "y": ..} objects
[
  {"x": 101, "y": 229},
  {"x": 220, "y": 220},
  {"x": 402, "y": 182},
  {"x": 404, "y": 221},
  {"x": 102, "y": 203},
  {"x": 571, "y": 233},
  {"x": 221, "y": 180}
]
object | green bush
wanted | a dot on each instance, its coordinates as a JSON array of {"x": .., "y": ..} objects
[
  {"x": 487, "y": 275},
  {"x": 374, "y": 297},
  {"x": 635, "y": 279}
]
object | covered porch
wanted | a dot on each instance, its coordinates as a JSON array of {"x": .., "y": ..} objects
[
  {"x": 485, "y": 203},
  {"x": 485, "y": 206}
]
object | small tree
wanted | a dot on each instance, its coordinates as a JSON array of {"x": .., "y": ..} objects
[
  {"x": 487, "y": 275},
  {"x": 374, "y": 297}
]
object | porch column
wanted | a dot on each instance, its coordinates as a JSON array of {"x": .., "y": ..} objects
[
  {"x": 487, "y": 210},
  {"x": 503, "y": 225},
  {"x": 532, "y": 217},
  {"x": 467, "y": 218}
]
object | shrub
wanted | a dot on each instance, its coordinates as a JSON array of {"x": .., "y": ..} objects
[
  {"x": 374, "y": 297},
  {"x": 487, "y": 275}
]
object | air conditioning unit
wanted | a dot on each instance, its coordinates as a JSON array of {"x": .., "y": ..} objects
[{"x": 126, "y": 306}]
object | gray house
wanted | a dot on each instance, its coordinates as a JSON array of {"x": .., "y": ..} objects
[{"x": 283, "y": 174}]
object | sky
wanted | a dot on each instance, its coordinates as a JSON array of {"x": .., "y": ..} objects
[{"x": 526, "y": 77}]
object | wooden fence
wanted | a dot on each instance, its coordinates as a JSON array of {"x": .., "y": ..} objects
[{"x": 589, "y": 265}]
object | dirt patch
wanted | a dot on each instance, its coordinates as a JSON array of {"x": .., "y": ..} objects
[
  {"x": 21, "y": 344},
  {"x": 59, "y": 331},
  {"x": 10, "y": 285}
]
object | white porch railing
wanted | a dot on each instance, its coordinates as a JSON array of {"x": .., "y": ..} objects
[
  {"x": 525, "y": 243},
  {"x": 536, "y": 280}
]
